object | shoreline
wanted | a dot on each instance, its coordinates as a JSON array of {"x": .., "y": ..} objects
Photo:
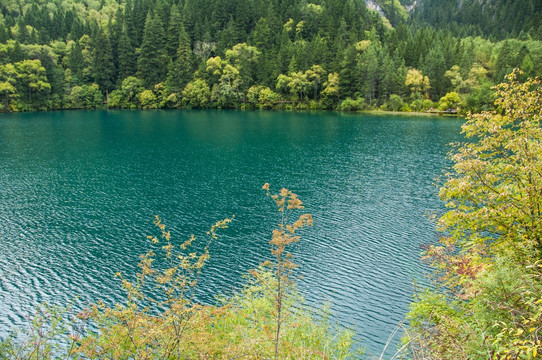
[
  {"x": 372, "y": 112},
  {"x": 413, "y": 113}
]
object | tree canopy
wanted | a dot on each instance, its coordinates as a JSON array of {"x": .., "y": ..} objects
[
  {"x": 487, "y": 296},
  {"x": 167, "y": 44}
]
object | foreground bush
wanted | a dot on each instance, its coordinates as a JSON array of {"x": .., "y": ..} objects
[
  {"x": 161, "y": 319},
  {"x": 487, "y": 297}
]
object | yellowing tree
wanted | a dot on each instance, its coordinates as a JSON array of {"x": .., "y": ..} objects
[
  {"x": 487, "y": 296},
  {"x": 417, "y": 83},
  {"x": 494, "y": 193}
]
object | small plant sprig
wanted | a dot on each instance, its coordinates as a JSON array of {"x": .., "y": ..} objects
[
  {"x": 152, "y": 323},
  {"x": 285, "y": 234},
  {"x": 53, "y": 333}
]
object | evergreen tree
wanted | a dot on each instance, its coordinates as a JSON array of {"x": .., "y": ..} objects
[
  {"x": 3, "y": 33},
  {"x": 103, "y": 68},
  {"x": 174, "y": 29},
  {"x": 55, "y": 76},
  {"x": 22, "y": 36},
  {"x": 261, "y": 36},
  {"x": 16, "y": 54},
  {"x": 153, "y": 59},
  {"x": 288, "y": 36},
  {"x": 127, "y": 64},
  {"x": 435, "y": 68},
  {"x": 181, "y": 70},
  {"x": 349, "y": 78},
  {"x": 115, "y": 32},
  {"x": 130, "y": 23},
  {"x": 505, "y": 61},
  {"x": 368, "y": 70}
]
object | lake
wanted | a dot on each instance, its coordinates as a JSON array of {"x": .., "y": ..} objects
[{"x": 79, "y": 192}]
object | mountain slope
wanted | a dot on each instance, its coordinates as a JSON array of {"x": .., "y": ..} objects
[{"x": 497, "y": 19}]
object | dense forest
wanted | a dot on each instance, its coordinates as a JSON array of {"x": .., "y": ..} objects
[
  {"x": 496, "y": 19},
  {"x": 290, "y": 54}
]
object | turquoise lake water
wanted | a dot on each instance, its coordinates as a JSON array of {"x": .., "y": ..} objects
[{"x": 79, "y": 191}]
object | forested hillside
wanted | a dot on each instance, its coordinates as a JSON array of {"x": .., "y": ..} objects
[
  {"x": 498, "y": 19},
  {"x": 328, "y": 54}
]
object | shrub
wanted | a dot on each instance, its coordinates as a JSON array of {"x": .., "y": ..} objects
[
  {"x": 160, "y": 318},
  {"x": 487, "y": 296},
  {"x": 148, "y": 100},
  {"x": 197, "y": 94},
  {"x": 349, "y": 104},
  {"x": 85, "y": 97}
]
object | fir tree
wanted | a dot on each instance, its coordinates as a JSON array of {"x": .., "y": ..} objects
[
  {"x": 127, "y": 63},
  {"x": 103, "y": 67},
  {"x": 181, "y": 70},
  {"x": 76, "y": 63},
  {"x": 174, "y": 29},
  {"x": 153, "y": 59}
]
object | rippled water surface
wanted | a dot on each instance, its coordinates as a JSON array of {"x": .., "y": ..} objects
[{"x": 79, "y": 191}]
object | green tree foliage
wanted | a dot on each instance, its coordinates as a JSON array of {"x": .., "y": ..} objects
[
  {"x": 245, "y": 59},
  {"x": 417, "y": 83},
  {"x": 449, "y": 101},
  {"x": 332, "y": 90},
  {"x": 153, "y": 60},
  {"x": 126, "y": 56},
  {"x": 497, "y": 19},
  {"x": 76, "y": 63},
  {"x": 31, "y": 84},
  {"x": 103, "y": 67},
  {"x": 196, "y": 94},
  {"x": 128, "y": 95},
  {"x": 262, "y": 97},
  {"x": 8, "y": 80},
  {"x": 487, "y": 301},
  {"x": 497, "y": 176},
  {"x": 148, "y": 99},
  {"x": 435, "y": 68},
  {"x": 169, "y": 43},
  {"x": 180, "y": 71},
  {"x": 174, "y": 29},
  {"x": 85, "y": 97},
  {"x": 395, "y": 102}
]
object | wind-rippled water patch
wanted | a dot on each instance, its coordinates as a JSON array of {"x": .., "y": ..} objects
[{"x": 79, "y": 191}]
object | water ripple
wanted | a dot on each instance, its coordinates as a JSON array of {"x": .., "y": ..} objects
[{"x": 79, "y": 191}]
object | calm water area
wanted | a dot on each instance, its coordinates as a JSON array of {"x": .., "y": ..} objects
[{"x": 79, "y": 192}]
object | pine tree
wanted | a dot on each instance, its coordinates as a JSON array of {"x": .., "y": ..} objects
[
  {"x": 76, "y": 63},
  {"x": 435, "y": 68},
  {"x": 153, "y": 59},
  {"x": 348, "y": 76},
  {"x": 173, "y": 31},
  {"x": 127, "y": 64},
  {"x": 103, "y": 68},
  {"x": 115, "y": 32},
  {"x": 369, "y": 67},
  {"x": 55, "y": 76},
  {"x": 3, "y": 33},
  {"x": 23, "y": 36},
  {"x": 130, "y": 23},
  {"x": 17, "y": 53},
  {"x": 505, "y": 61},
  {"x": 181, "y": 70}
]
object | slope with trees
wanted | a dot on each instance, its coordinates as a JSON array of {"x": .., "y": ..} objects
[{"x": 248, "y": 53}]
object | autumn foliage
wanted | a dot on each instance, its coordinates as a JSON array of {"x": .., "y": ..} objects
[
  {"x": 162, "y": 319},
  {"x": 486, "y": 300}
]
